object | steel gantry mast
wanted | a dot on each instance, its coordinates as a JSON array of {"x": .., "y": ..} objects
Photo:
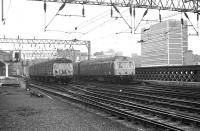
[
  {"x": 45, "y": 43},
  {"x": 173, "y": 5}
]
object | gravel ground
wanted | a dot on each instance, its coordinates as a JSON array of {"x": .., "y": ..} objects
[{"x": 21, "y": 112}]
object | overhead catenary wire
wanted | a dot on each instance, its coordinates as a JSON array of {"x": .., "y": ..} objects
[
  {"x": 94, "y": 28},
  {"x": 108, "y": 35},
  {"x": 81, "y": 26},
  {"x": 45, "y": 10},
  {"x": 103, "y": 37},
  {"x": 83, "y": 13},
  {"x": 4, "y": 16},
  {"x": 112, "y": 34},
  {"x": 152, "y": 36},
  {"x": 156, "y": 20},
  {"x": 61, "y": 7},
  {"x": 2, "y": 10},
  {"x": 190, "y": 22},
  {"x": 145, "y": 13},
  {"x": 121, "y": 15},
  {"x": 100, "y": 18},
  {"x": 9, "y": 5},
  {"x": 92, "y": 20},
  {"x": 131, "y": 15}
]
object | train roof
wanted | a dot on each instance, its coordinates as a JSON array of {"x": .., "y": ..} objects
[
  {"x": 61, "y": 60},
  {"x": 57, "y": 60},
  {"x": 115, "y": 58}
]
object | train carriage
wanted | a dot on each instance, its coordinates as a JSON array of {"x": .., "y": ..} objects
[
  {"x": 115, "y": 69},
  {"x": 53, "y": 70}
]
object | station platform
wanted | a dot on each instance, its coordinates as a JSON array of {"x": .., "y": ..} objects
[
  {"x": 173, "y": 83},
  {"x": 19, "y": 111}
]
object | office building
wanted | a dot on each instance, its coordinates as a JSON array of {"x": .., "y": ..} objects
[{"x": 164, "y": 43}]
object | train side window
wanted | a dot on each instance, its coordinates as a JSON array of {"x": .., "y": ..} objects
[
  {"x": 130, "y": 64},
  {"x": 120, "y": 65}
]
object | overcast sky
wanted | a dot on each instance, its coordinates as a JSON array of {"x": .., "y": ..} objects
[{"x": 26, "y": 19}]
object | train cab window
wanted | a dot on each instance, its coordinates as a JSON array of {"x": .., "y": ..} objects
[
  {"x": 130, "y": 64},
  {"x": 120, "y": 65},
  {"x": 125, "y": 65}
]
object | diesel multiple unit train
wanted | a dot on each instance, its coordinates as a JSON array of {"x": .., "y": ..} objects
[
  {"x": 53, "y": 70},
  {"x": 118, "y": 68},
  {"x": 115, "y": 69}
]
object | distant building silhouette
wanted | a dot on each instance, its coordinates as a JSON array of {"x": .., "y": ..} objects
[
  {"x": 190, "y": 58},
  {"x": 137, "y": 59},
  {"x": 107, "y": 54}
]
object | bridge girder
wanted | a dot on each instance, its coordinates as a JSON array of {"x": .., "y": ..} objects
[{"x": 172, "y": 5}]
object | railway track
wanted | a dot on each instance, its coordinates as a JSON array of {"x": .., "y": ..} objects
[
  {"x": 128, "y": 110},
  {"x": 181, "y": 106},
  {"x": 185, "y": 93},
  {"x": 151, "y": 99},
  {"x": 153, "y": 94}
]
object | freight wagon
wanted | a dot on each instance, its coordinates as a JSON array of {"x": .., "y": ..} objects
[
  {"x": 53, "y": 70},
  {"x": 114, "y": 69}
]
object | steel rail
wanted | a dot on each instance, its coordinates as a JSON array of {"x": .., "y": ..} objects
[
  {"x": 160, "y": 92},
  {"x": 133, "y": 97},
  {"x": 147, "y": 100},
  {"x": 191, "y": 103},
  {"x": 129, "y": 105},
  {"x": 108, "y": 108}
]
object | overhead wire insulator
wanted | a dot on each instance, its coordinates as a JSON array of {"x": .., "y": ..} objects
[
  {"x": 198, "y": 24},
  {"x": 115, "y": 8},
  {"x": 186, "y": 15},
  {"x": 134, "y": 11},
  {"x": 111, "y": 12},
  {"x": 182, "y": 21},
  {"x": 145, "y": 13},
  {"x": 45, "y": 7},
  {"x": 62, "y": 6},
  {"x": 159, "y": 16},
  {"x": 83, "y": 11},
  {"x": 130, "y": 10},
  {"x": 190, "y": 22}
]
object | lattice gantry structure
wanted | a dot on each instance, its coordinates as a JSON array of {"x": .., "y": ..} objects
[
  {"x": 173, "y": 5},
  {"x": 40, "y": 48}
]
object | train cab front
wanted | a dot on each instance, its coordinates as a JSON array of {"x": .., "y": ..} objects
[{"x": 125, "y": 70}]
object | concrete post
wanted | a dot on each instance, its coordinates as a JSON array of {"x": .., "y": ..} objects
[{"x": 6, "y": 64}]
